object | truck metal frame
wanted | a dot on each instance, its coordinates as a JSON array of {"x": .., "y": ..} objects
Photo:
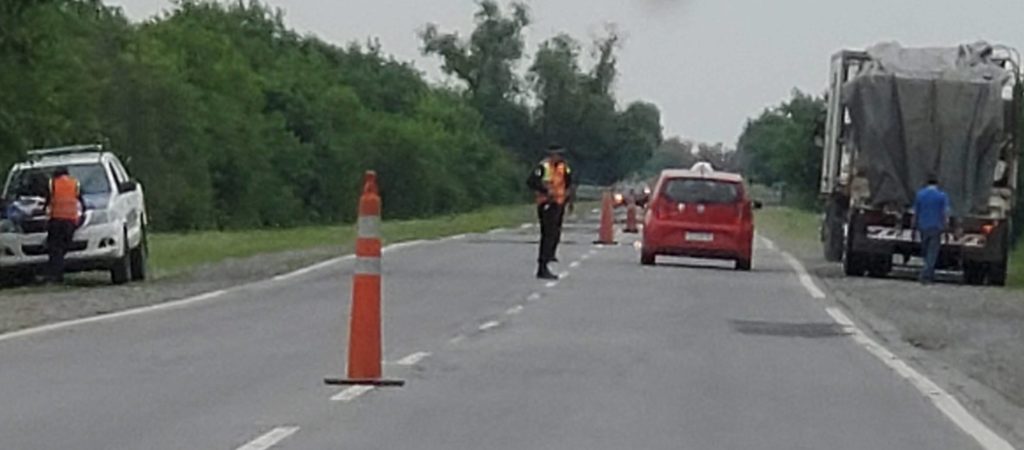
[{"x": 866, "y": 238}]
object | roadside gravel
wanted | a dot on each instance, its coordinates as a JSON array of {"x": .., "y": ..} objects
[{"x": 970, "y": 339}]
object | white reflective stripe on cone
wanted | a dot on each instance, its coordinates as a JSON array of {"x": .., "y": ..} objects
[
  {"x": 367, "y": 266},
  {"x": 368, "y": 227}
]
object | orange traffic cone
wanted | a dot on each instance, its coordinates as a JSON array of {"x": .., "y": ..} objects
[
  {"x": 631, "y": 226},
  {"x": 606, "y": 234},
  {"x": 364, "y": 338}
]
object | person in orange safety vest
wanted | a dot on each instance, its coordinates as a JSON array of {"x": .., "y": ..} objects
[
  {"x": 551, "y": 181},
  {"x": 64, "y": 203}
]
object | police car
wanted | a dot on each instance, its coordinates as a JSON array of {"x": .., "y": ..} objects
[{"x": 112, "y": 234}]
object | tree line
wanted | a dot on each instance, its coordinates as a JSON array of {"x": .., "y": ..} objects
[{"x": 232, "y": 120}]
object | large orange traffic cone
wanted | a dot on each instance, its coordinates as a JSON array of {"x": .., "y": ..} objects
[
  {"x": 606, "y": 234},
  {"x": 631, "y": 225},
  {"x": 364, "y": 338}
]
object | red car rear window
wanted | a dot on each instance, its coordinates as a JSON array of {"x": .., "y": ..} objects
[{"x": 696, "y": 190}]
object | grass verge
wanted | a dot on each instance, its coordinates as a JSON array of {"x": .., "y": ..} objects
[{"x": 171, "y": 253}]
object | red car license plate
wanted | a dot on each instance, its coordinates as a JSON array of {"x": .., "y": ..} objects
[{"x": 700, "y": 237}]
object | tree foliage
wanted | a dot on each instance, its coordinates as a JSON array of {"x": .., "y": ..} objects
[
  {"x": 779, "y": 146},
  {"x": 232, "y": 120}
]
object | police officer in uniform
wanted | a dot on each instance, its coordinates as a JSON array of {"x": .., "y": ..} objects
[
  {"x": 551, "y": 181},
  {"x": 64, "y": 202}
]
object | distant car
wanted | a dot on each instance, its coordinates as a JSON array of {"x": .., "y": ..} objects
[
  {"x": 699, "y": 213},
  {"x": 112, "y": 235}
]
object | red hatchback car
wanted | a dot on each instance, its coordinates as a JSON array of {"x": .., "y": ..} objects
[{"x": 699, "y": 213}]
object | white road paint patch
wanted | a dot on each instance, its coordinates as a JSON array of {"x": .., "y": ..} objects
[
  {"x": 489, "y": 325},
  {"x": 401, "y": 245},
  {"x": 113, "y": 316},
  {"x": 351, "y": 393},
  {"x": 313, "y": 268},
  {"x": 457, "y": 339},
  {"x": 574, "y": 264},
  {"x": 805, "y": 278},
  {"x": 514, "y": 310},
  {"x": 412, "y": 359},
  {"x": 533, "y": 297},
  {"x": 551, "y": 284},
  {"x": 270, "y": 439},
  {"x": 638, "y": 245},
  {"x": 768, "y": 243},
  {"x": 942, "y": 400}
]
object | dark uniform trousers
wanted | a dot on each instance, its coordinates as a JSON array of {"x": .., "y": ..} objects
[
  {"x": 550, "y": 215},
  {"x": 58, "y": 240}
]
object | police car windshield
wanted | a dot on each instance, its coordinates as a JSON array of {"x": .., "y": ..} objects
[
  {"x": 692, "y": 190},
  {"x": 35, "y": 181}
]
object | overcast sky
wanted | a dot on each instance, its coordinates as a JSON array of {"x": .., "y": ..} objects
[{"x": 708, "y": 64}]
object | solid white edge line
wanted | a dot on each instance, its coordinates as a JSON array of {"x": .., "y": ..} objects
[
  {"x": 269, "y": 439},
  {"x": 112, "y": 316},
  {"x": 489, "y": 325},
  {"x": 946, "y": 403},
  {"x": 413, "y": 359},
  {"x": 173, "y": 304},
  {"x": 805, "y": 278},
  {"x": 351, "y": 393}
]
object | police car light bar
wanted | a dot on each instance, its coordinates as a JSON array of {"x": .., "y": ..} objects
[{"x": 61, "y": 151}]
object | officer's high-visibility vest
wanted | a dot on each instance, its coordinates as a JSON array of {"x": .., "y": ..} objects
[
  {"x": 64, "y": 198},
  {"x": 554, "y": 180}
]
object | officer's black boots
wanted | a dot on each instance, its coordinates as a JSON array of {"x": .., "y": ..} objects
[{"x": 544, "y": 273}]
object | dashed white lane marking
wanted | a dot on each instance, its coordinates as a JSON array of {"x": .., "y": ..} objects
[
  {"x": 551, "y": 284},
  {"x": 457, "y": 339},
  {"x": 489, "y": 325},
  {"x": 412, "y": 359},
  {"x": 270, "y": 439},
  {"x": 805, "y": 278},
  {"x": 942, "y": 400},
  {"x": 514, "y": 310},
  {"x": 351, "y": 393},
  {"x": 574, "y": 264},
  {"x": 533, "y": 297},
  {"x": 118, "y": 315}
]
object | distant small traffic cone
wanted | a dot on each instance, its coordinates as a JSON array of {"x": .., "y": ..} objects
[
  {"x": 606, "y": 234},
  {"x": 364, "y": 339},
  {"x": 631, "y": 226}
]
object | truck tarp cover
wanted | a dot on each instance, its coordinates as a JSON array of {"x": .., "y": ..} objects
[{"x": 931, "y": 110}]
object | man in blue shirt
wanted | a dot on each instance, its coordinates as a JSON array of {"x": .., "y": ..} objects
[{"x": 931, "y": 214}]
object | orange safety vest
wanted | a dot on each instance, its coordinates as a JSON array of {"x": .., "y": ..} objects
[
  {"x": 64, "y": 198},
  {"x": 554, "y": 180}
]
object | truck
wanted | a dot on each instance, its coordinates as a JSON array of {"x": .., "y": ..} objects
[
  {"x": 112, "y": 234},
  {"x": 896, "y": 115}
]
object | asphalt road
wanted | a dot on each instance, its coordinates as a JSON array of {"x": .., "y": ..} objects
[{"x": 685, "y": 355}]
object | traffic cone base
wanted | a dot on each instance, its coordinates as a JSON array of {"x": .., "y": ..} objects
[{"x": 382, "y": 382}]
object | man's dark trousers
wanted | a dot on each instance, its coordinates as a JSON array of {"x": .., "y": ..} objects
[
  {"x": 58, "y": 238},
  {"x": 550, "y": 215},
  {"x": 931, "y": 242}
]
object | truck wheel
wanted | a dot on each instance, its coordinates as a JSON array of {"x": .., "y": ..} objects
[
  {"x": 647, "y": 259},
  {"x": 879, "y": 266},
  {"x": 853, "y": 264},
  {"x": 121, "y": 272},
  {"x": 974, "y": 273},
  {"x": 997, "y": 275},
  {"x": 140, "y": 255}
]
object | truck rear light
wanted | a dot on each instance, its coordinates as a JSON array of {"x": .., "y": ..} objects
[{"x": 987, "y": 229}]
